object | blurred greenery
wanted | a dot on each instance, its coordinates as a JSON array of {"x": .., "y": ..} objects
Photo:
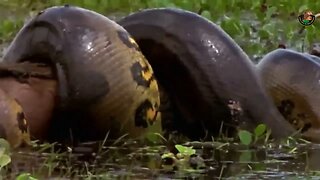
[{"x": 258, "y": 26}]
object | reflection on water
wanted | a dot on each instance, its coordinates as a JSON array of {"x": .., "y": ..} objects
[{"x": 133, "y": 160}]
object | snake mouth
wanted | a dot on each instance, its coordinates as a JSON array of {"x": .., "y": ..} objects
[{"x": 42, "y": 66}]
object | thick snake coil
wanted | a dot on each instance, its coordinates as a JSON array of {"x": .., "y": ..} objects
[
  {"x": 105, "y": 83},
  {"x": 293, "y": 81},
  {"x": 202, "y": 69}
]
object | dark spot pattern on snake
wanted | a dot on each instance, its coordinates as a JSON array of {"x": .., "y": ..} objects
[
  {"x": 129, "y": 42},
  {"x": 22, "y": 123},
  {"x": 141, "y": 115},
  {"x": 138, "y": 75}
]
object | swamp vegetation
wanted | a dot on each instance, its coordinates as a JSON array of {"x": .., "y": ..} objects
[{"x": 258, "y": 26}]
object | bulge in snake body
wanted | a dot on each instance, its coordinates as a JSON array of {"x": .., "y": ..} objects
[
  {"x": 93, "y": 56},
  {"x": 13, "y": 124}
]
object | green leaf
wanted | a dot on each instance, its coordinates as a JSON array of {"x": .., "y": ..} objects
[
  {"x": 260, "y": 130},
  {"x": 246, "y": 156},
  {"x": 4, "y": 160},
  {"x": 245, "y": 137},
  {"x": 303, "y": 8},
  {"x": 270, "y": 11},
  {"x": 5, "y": 144},
  {"x": 231, "y": 26},
  {"x": 264, "y": 34},
  {"x": 25, "y": 176},
  {"x": 256, "y": 5},
  {"x": 203, "y": 1},
  {"x": 167, "y": 155},
  {"x": 153, "y": 137},
  {"x": 206, "y": 14},
  {"x": 311, "y": 30},
  {"x": 185, "y": 150},
  {"x": 2, "y": 151}
]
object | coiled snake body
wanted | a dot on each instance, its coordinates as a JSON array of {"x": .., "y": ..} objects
[
  {"x": 103, "y": 79},
  {"x": 106, "y": 84}
]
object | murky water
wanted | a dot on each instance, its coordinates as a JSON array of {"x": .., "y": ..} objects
[{"x": 212, "y": 161}]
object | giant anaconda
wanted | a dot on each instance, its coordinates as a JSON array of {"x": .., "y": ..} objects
[{"x": 106, "y": 84}]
